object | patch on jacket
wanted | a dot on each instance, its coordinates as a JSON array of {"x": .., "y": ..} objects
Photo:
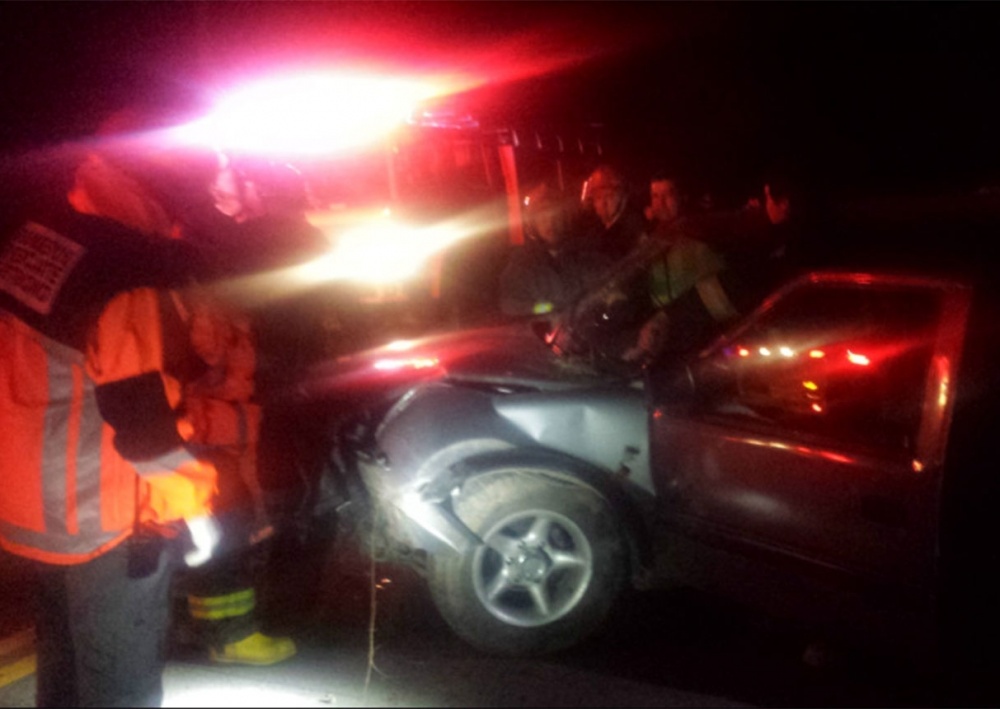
[{"x": 35, "y": 264}]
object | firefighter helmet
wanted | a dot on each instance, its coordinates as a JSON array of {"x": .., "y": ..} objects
[{"x": 544, "y": 211}]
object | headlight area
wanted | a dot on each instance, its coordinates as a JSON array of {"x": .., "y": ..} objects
[{"x": 406, "y": 520}]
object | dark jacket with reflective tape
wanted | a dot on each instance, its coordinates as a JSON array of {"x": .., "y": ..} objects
[{"x": 93, "y": 354}]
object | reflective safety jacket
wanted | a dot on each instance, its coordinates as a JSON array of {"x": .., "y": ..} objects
[{"x": 93, "y": 359}]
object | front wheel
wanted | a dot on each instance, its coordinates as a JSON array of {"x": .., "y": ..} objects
[{"x": 552, "y": 564}]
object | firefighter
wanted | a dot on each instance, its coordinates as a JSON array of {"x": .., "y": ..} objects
[
  {"x": 101, "y": 486},
  {"x": 615, "y": 227},
  {"x": 221, "y": 596},
  {"x": 713, "y": 302},
  {"x": 550, "y": 269},
  {"x": 245, "y": 346},
  {"x": 217, "y": 604},
  {"x": 293, "y": 332}
]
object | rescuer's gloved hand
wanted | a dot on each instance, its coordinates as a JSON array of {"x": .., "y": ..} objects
[{"x": 206, "y": 533}]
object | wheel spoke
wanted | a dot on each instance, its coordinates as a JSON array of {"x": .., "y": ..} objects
[
  {"x": 538, "y": 534},
  {"x": 540, "y": 596},
  {"x": 497, "y": 585},
  {"x": 567, "y": 560}
]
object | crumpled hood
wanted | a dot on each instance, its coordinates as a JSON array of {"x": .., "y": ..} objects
[{"x": 505, "y": 356}]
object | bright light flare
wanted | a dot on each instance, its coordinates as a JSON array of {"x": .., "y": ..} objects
[
  {"x": 400, "y": 345},
  {"x": 191, "y": 686},
  {"x": 381, "y": 251},
  {"x": 310, "y": 114}
]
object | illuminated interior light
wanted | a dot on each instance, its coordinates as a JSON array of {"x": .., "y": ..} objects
[
  {"x": 786, "y": 352},
  {"x": 764, "y": 351},
  {"x": 817, "y": 354},
  {"x": 811, "y": 386},
  {"x": 918, "y": 466},
  {"x": 744, "y": 352},
  {"x": 389, "y": 365},
  {"x": 858, "y": 359},
  {"x": 817, "y": 408},
  {"x": 942, "y": 399}
]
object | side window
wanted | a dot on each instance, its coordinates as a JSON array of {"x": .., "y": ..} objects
[{"x": 847, "y": 362}]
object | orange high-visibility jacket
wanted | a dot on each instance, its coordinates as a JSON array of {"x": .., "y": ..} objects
[{"x": 93, "y": 359}]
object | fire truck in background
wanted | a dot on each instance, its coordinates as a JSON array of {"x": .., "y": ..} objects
[
  {"x": 455, "y": 190},
  {"x": 421, "y": 217}
]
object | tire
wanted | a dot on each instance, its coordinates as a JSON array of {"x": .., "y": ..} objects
[{"x": 562, "y": 567}]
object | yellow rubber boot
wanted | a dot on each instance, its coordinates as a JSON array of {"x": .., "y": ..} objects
[{"x": 256, "y": 649}]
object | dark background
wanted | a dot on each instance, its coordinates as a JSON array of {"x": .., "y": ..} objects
[{"x": 859, "y": 96}]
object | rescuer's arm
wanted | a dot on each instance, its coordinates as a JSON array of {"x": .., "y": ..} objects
[
  {"x": 702, "y": 312},
  {"x": 141, "y": 403},
  {"x": 690, "y": 320}
]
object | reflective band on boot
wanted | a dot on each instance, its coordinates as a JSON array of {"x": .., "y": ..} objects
[{"x": 231, "y": 605}]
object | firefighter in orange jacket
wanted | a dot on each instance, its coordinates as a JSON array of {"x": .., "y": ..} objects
[
  {"x": 99, "y": 482},
  {"x": 221, "y": 596}
]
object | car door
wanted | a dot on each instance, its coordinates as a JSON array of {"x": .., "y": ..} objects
[{"x": 814, "y": 437}]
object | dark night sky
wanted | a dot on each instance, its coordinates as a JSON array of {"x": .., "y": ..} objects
[{"x": 866, "y": 94}]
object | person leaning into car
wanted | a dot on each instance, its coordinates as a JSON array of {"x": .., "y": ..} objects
[{"x": 750, "y": 273}]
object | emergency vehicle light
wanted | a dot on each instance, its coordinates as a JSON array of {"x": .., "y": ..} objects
[{"x": 310, "y": 114}]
